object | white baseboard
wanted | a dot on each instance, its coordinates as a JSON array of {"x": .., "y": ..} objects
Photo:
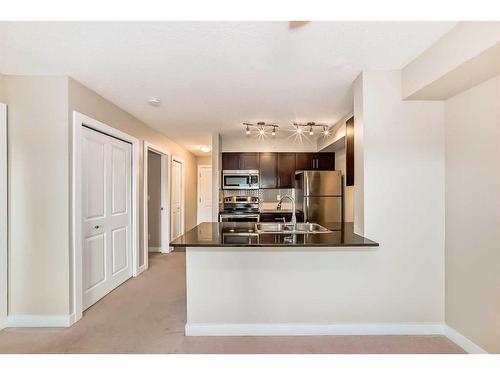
[
  {"x": 311, "y": 329},
  {"x": 152, "y": 249},
  {"x": 34, "y": 321},
  {"x": 463, "y": 341}
]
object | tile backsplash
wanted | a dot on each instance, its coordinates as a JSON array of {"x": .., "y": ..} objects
[{"x": 268, "y": 198}]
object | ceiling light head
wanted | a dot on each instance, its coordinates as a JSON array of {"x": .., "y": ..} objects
[
  {"x": 311, "y": 131},
  {"x": 274, "y": 131},
  {"x": 205, "y": 149},
  {"x": 326, "y": 131},
  {"x": 261, "y": 131},
  {"x": 299, "y": 129},
  {"x": 248, "y": 130},
  {"x": 155, "y": 102}
]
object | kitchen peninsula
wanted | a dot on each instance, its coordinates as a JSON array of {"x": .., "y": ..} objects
[{"x": 242, "y": 279}]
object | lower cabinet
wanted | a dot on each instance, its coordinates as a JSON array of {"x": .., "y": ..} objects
[{"x": 272, "y": 217}]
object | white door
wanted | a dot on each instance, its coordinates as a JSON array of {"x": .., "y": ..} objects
[
  {"x": 106, "y": 206},
  {"x": 204, "y": 193},
  {"x": 177, "y": 209}
]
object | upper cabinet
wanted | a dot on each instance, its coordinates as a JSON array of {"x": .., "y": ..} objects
[
  {"x": 349, "y": 152},
  {"x": 240, "y": 160},
  {"x": 277, "y": 169},
  {"x": 320, "y": 161},
  {"x": 286, "y": 169},
  {"x": 268, "y": 171}
]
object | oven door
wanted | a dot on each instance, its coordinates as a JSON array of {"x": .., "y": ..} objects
[{"x": 234, "y": 218}]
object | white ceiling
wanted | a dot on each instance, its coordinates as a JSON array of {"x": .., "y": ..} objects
[{"x": 211, "y": 76}]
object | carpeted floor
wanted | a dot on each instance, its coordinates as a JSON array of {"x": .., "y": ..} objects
[{"x": 147, "y": 315}]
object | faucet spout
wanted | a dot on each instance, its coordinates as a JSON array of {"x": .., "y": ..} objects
[{"x": 294, "y": 217}]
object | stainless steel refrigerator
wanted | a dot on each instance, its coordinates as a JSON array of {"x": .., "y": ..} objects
[{"x": 319, "y": 194}]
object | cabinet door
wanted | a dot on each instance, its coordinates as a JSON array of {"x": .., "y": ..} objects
[
  {"x": 286, "y": 169},
  {"x": 231, "y": 160},
  {"x": 249, "y": 160},
  {"x": 268, "y": 170},
  {"x": 325, "y": 161},
  {"x": 304, "y": 161}
]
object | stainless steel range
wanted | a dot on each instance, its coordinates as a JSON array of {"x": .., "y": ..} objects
[{"x": 240, "y": 208}]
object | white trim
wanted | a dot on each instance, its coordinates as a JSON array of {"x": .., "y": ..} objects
[
  {"x": 311, "y": 329},
  {"x": 36, "y": 321},
  {"x": 198, "y": 189},
  {"x": 80, "y": 119},
  {"x": 165, "y": 199},
  {"x": 462, "y": 341},
  {"x": 183, "y": 200},
  {"x": 3, "y": 215},
  {"x": 154, "y": 249}
]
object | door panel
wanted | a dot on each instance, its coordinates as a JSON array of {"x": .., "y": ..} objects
[
  {"x": 176, "y": 199},
  {"x": 94, "y": 175},
  {"x": 325, "y": 161},
  {"x": 231, "y": 160},
  {"x": 94, "y": 257},
  {"x": 119, "y": 180},
  {"x": 323, "y": 183},
  {"x": 249, "y": 160},
  {"x": 286, "y": 169},
  {"x": 106, "y": 198},
  {"x": 304, "y": 161},
  {"x": 205, "y": 194},
  {"x": 268, "y": 169}
]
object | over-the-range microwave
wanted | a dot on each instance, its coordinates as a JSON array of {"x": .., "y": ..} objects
[{"x": 240, "y": 179}]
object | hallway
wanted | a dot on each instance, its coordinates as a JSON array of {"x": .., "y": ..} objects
[{"x": 147, "y": 315}]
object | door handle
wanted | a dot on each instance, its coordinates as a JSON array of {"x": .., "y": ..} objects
[{"x": 97, "y": 226}]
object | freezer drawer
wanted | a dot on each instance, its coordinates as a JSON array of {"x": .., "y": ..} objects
[{"x": 322, "y": 210}]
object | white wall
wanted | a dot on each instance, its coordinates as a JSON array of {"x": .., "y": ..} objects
[
  {"x": 472, "y": 214},
  {"x": 402, "y": 147},
  {"x": 459, "y": 60},
  {"x": 252, "y": 143}
]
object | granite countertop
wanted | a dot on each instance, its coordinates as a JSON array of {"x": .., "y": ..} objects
[{"x": 235, "y": 234}]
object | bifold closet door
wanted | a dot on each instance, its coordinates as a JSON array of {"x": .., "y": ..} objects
[{"x": 106, "y": 211}]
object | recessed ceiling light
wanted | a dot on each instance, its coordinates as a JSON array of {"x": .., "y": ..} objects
[
  {"x": 155, "y": 102},
  {"x": 204, "y": 149}
]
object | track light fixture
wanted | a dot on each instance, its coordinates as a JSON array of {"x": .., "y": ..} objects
[{"x": 260, "y": 127}]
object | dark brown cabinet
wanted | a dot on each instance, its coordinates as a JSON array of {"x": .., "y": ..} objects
[
  {"x": 240, "y": 160},
  {"x": 269, "y": 217},
  {"x": 325, "y": 161},
  {"x": 286, "y": 169},
  {"x": 349, "y": 152},
  {"x": 268, "y": 170},
  {"x": 320, "y": 161},
  {"x": 304, "y": 161}
]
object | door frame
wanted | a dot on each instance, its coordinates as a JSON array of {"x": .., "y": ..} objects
[
  {"x": 183, "y": 201},
  {"x": 3, "y": 216},
  {"x": 198, "y": 190},
  {"x": 165, "y": 199},
  {"x": 76, "y": 261}
]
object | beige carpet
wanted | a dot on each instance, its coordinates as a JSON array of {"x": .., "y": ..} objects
[{"x": 147, "y": 315}]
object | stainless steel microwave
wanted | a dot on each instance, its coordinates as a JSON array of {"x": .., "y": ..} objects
[{"x": 240, "y": 179}]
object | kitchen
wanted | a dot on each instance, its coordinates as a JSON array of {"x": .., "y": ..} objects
[{"x": 276, "y": 209}]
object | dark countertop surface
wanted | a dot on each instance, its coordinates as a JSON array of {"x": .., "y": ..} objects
[{"x": 234, "y": 234}]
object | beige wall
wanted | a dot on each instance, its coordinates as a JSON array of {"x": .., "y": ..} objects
[
  {"x": 86, "y": 101},
  {"x": 38, "y": 162},
  {"x": 472, "y": 214},
  {"x": 204, "y": 160},
  {"x": 403, "y": 201}
]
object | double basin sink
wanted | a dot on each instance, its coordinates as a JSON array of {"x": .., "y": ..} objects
[{"x": 289, "y": 228}]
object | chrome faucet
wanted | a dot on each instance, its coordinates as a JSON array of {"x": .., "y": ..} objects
[{"x": 294, "y": 217}]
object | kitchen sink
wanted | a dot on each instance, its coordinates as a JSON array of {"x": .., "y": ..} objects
[{"x": 290, "y": 228}]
